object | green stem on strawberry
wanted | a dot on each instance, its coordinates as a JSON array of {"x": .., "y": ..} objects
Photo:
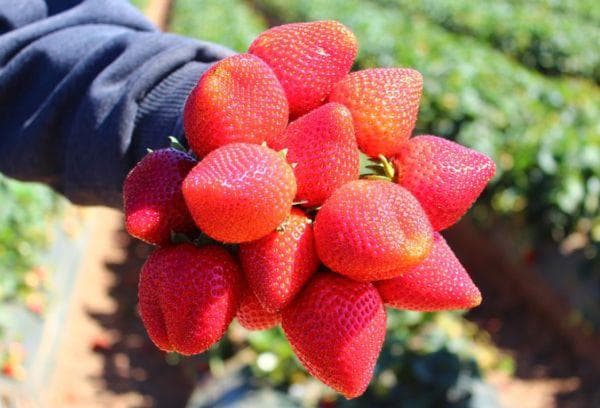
[
  {"x": 382, "y": 169},
  {"x": 176, "y": 144},
  {"x": 388, "y": 168}
]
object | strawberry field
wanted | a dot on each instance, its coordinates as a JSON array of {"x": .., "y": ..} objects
[
  {"x": 26, "y": 220},
  {"x": 515, "y": 80}
]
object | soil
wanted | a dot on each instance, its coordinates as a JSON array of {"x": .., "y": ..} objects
[
  {"x": 105, "y": 358},
  {"x": 556, "y": 365}
]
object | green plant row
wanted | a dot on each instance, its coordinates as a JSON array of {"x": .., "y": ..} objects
[
  {"x": 141, "y": 4},
  {"x": 231, "y": 23},
  {"x": 543, "y": 133},
  {"x": 583, "y": 9},
  {"x": 24, "y": 231},
  {"x": 541, "y": 38}
]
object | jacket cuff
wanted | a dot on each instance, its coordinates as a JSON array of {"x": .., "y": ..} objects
[{"x": 160, "y": 113}]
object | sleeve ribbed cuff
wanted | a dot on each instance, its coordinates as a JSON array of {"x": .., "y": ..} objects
[{"x": 160, "y": 113}]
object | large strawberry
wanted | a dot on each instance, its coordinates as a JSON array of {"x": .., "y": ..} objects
[
  {"x": 240, "y": 192},
  {"x": 188, "y": 296},
  {"x": 384, "y": 103},
  {"x": 253, "y": 316},
  {"x": 277, "y": 265},
  {"x": 445, "y": 177},
  {"x": 372, "y": 230},
  {"x": 154, "y": 205},
  {"x": 323, "y": 148},
  {"x": 336, "y": 327},
  {"x": 439, "y": 283},
  {"x": 308, "y": 59},
  {"x": 238, "y": 99}
]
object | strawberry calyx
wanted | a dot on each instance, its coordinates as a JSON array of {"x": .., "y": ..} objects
[
  {"x": 382, "y": 169},
  {"x": 176, "y": 144},
  {"x": 283, "y": 153}
]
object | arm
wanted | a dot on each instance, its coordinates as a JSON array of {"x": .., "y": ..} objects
[{"x": 85, "y": 88}]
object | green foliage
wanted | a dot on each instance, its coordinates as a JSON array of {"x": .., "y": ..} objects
[
  {"x": 540, "y": 38},
  {"x": 228, "y": 22},
  {"x": 24, "y": 231},
  {"x": 543, "y": 133},
  {"x": 583, "y": 9},
  {"x": 141, "y": 4}
]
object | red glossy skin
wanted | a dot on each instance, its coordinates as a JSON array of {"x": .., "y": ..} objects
[
  {"x": 240, "y": 192},
  {"x": 439, "y": 283},
  {"x": 445, "y": 177},
  {"x": 384, "y": 103},
  {"x": 371, "y": 230},
  {"x": 308, "y": 59},
  {"x": 253, "y": 316},
  {"x": 336, "y": 327},
  {"x": 278, "y": 265},
  {"x": 153, "y": 202},
  {"x": 238, "y": 99},
  {"x": 323, "y": 148},
  {"x": 188, "y": 296}
]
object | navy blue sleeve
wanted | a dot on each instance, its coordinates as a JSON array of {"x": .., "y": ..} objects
[{"x": 86, "y": 86}]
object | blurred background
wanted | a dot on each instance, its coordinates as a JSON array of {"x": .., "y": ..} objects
[{"x": 518, "y": 80}]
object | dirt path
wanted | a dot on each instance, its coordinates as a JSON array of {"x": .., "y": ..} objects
[
  {"x": 555, "y": 365},
  {"x": 159, "y": 12},
  {"x": 105, "y": 359}
]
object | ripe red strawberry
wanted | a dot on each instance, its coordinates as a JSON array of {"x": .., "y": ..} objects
[
  {"x": 372, "y": 230},
  {"x": 384, "y": 103},
  {"x": 308, "y": 59},
  {"x": 336, "y": 327},
  {"x": 439, "y": 283},
  {"x": 445, "y": 177},
  {"x": 323, "y": 147},
  {"x": 279, "y": 264},
  {"x": 154, "y": 205},
  {"x": 238, "y": 99},
  {"x": 253, "y": 316},
  {"x": 188, "y": 296},
  {"x": 240, "y": 192}
]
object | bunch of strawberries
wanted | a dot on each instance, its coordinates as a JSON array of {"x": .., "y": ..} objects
[{"x": 268, "y": 219}]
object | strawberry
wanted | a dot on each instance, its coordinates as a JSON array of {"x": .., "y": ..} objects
[
  {"x": 372, "y": 230},
  {"x": 384, "y": 103},
  {"x": 336, "y": 327},
  {"x": 154, "y": 205},
  {"x": 253, "y": 316},
  {"x": 238, "y": 99},
  {"x": 439, "y": 283},
  {"x": 188, "y": 296},
  {"x": 323, "y": 147},
  {"x": 279, "y": 264},
  {"x": 240, "y": 192},
  {"x": 445, "y": 177},
  {"x": 308, "y": 59}
]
